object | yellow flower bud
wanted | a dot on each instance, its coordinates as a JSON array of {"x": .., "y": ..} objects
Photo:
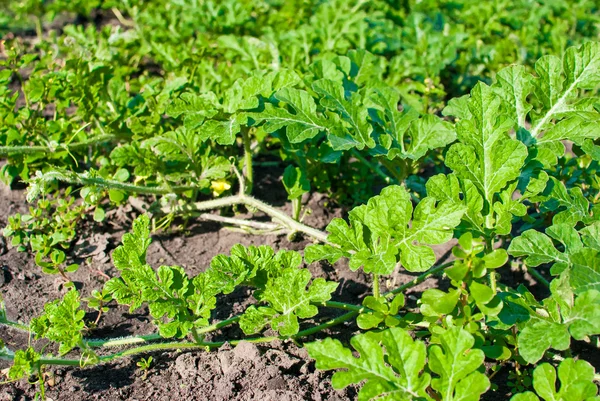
[{"x": 219, "y": 186}]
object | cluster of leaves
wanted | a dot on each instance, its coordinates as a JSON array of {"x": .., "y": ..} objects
[
  {"x": 47, "y": 230},
  {"x": 510, "y": 135},
  {"x": 181, "y": 304}
]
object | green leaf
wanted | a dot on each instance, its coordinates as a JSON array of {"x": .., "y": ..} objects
[
  {"x": 223, "y": 132},
  {"x": 576, "y": 206},
  {"x": 456, "y": 365},
  {"x": 558, "y": 83},
  {"x": 290, "y": 297},
  {"x": 195, "y": 108},
  {"x": 332, "y": 254},
  {"x": 433, "y": 223},
  {"x": 585, "y": 273},
  {"x": 540, "y": 335},
  {"x": 514, "y": 84},
  {"x": 590, "y": 235},
  {"x": 554, "y": 326},
  {"x": 436, "y": 302},
  {"x": 537, "y": 247},
  {"x": 99, "y": 214},
  {"x": 383, "y": 228},
  {"x": 411, "y": 137},
  {"x": 295, "y": 182},
  {"x": 427, "y": 133},
  {"x": 62, "y": 322},
  {"x": 177, "y": 303},
  {"x": 391, "y": 363},
  {"x": 576, "y": 382},
  {"x": 485, "y": 158},
  {"x": 584, "y": 318},
  {"x": 25, "y": 364},
  {"x": 304, "y": 124},
  {"x": 526, "y": 396},
  {"x": 132, "y": 253},
  {"x": 351, "y": 111},
  {"x": 574, "y": 128},
  {"x": 243, "y": 94}
]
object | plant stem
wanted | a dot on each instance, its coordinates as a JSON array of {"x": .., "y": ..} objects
[
  {"x": 296, "y": 208},
  {"x": 489, "y": 247},
  {"x": 118, "y": 342},
  {"x": 122, "y": 19},
  {"x": 23, "y": 150},
  {"x": 219, "y": 325},
  {"x": 538, "y": 276},
  {"x": 153, "y": 347},
  {"x": 15, "y": 325},
  {"x": 39, "y": 31},
  {"x": 342, "y": 305},
  {"x": 376, "y": 293},
  {"x": 20, "y": 79},
  {"x": 242, "y": 199},
  {"x": 387, "y": 179},
  {"x": 239, "y": 222},
  {"x": 419, "y": 279},
  {"x": 80, "y": 179},
  {"x": 248, "y": 171},
  {"x": 333, "y": 322}
]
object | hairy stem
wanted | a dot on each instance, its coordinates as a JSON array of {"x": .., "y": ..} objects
[
  {"x": 39, "y": 30},
  {"x": 190, "y": 345},
  {"x": 80, "y": 179},
  {"x": 330, "y": 323},
  {"x": 242, "y": 199},
  {"x": 354, "y": 310},
  {"x": 25, "y": 97},
  {"x": 23, "y": 150},
  {"x": 239, "y": 222},
  {"x": 119, "y": 342}
]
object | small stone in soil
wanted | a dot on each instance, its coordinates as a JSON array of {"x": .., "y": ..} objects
[{"x": 4, "y": 275}]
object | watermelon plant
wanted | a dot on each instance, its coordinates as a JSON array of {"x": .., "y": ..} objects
[{"x": 414, "y": 116}]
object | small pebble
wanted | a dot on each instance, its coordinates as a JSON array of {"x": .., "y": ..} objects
[{"x": 4, "y": 275}]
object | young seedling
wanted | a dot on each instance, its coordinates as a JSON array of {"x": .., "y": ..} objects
[{"x": 144, "y": 365}]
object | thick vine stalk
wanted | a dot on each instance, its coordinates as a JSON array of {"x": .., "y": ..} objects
[{"x": 247, "y": 200}]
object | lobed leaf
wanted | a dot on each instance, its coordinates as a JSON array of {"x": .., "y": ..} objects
[{"x": 390, "y": 362}]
